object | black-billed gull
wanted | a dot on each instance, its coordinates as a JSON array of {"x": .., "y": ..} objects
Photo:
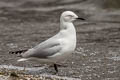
[{"x": 58, "y": 47}]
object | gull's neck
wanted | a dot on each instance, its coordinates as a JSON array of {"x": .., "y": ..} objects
[
  {"x": 67, "y": 28},
  {"x": 68, "y": 34},
  {"x": 66, "y": 25}
]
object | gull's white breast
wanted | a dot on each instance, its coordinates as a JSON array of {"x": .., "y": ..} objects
[{"x": 67, "y": 42}]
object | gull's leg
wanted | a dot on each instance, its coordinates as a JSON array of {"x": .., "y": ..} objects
[
  {"x": 55, "y": 67},
  {"x": 61, "y": 65}
]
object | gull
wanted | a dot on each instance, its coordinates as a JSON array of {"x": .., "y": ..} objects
[{"x": 56, "y": 48}]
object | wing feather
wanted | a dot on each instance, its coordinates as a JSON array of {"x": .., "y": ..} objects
[{"x": 43, "y": 50}]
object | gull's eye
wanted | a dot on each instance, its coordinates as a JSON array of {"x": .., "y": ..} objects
[{"x": 69, "y": 16}]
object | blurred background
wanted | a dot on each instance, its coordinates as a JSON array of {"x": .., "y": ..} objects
[{"x": 25, "y": 23}]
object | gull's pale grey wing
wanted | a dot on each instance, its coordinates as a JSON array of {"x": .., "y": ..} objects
[{"x": 43, "y": 50}]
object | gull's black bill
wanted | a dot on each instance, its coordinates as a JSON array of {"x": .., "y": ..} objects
[{"x": 81, "y": 18}]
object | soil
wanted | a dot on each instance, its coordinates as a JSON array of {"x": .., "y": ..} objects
[{"x": 24, "y": 24}]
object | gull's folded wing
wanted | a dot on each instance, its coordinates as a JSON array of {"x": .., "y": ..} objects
[{"x": 43, "y": 50}]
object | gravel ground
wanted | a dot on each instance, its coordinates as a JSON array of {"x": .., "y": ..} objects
[{"x": 24, "y": 24}]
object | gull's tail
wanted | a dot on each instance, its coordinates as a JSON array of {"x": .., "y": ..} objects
[{"x": 17, "y": 52}]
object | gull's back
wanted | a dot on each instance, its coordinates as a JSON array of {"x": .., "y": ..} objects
[{"x": 44, "y": 49}]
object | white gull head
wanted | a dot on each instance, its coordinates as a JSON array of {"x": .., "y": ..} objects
[{"x": 68, "y": 16}]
